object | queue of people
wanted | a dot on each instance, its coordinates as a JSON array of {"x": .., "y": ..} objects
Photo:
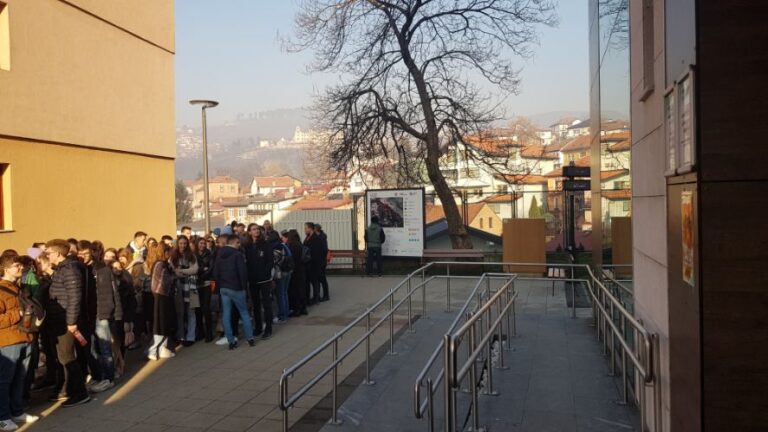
[{"x": 81, "y": 306}]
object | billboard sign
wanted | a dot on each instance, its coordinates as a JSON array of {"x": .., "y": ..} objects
[{"x": 401, "y": 215}]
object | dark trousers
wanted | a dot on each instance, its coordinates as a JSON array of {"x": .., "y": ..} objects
[
  {"x": 85, "y": 355},
  {"x": 323, "y": 281},
  {"x": 374, "y": 257},
  {"x": 34, "y": 359},
  {"x": 297, "y": 293},
  {"x": 53, "y": 371},
  {"x": 313, "y": 283},
  {"x": 74, "y": 380},
  {"x": 261, "y": 297},
  {"x": 204, "y": 314}
]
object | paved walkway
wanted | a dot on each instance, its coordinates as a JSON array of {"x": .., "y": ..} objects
[
  {"x": 557, "y": 378},
  {"x": 207, "y": 387}
]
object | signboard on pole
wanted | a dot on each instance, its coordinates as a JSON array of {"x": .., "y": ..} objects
[
  {"x": 576, "y": 171},
  {"x": 401, "y": 215},
  {"x": 577, "y": 185}
]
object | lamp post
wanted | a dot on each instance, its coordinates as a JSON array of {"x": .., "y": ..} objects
[{"x": 206, "y": 203}]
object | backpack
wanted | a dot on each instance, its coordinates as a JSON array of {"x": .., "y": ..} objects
[
  {"x": 284, "y": 259},
  {"x": 34, "y": 312},
  {"x": 306, "y": 254}
]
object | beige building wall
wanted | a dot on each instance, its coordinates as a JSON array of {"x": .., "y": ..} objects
[
  {"x": 87, "y": 120},
  {"x": 649, "y": 217}
]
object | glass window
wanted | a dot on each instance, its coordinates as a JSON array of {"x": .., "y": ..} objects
[
  {"x": 5, "y": 38},
  {"x": 4, "y": 195}
]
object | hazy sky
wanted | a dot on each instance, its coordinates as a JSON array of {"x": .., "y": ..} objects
[{"x": 228, "y": 51}]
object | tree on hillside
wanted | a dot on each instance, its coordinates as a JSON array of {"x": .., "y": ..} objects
[
  {"x": 534, "y": 212},
  {"x": 183, "y": 204},
  {"x": 407, "y": 69}
]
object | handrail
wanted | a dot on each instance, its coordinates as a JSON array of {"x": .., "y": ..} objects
[
  {"x": 602, "y": 300},
  {"x": 419, "y": 407}
]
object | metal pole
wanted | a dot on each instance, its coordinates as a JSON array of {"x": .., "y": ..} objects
[
  {"x": 448, "y": 287},
  {"x": 430, "y": 405},
  {"x": 473, "y": 382},
  {"x": 334, "y": 419},
  {"x": 423, "y": 294},
  {"x": 613, "y": 346},
  {"x": 448, "y": 384},
  {"x": 500, "y": 333},
  {"x": 392, "y": 324},
  {"x": 573, "y": 295},
  {"x": 410, "y": 308},
  {"x": 368, "y": 380},
  {"x": 206, "y": 201},
  {"x": 283, "y": 399},
  {"x": 489, "y": 352}
]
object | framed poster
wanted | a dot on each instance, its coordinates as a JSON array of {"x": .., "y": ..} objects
[
  {"x": 686, "y": 207},
  {"x": 680, "y": 125},
  {"x": 401, "y": 215}
]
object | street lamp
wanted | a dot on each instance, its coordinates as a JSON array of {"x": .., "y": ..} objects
[{"x": 205, "y": 105}]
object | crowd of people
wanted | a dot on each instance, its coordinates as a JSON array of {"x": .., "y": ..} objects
[{"x": 76, "y": 307}]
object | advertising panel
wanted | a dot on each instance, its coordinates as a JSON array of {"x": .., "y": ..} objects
[{"x": 401, "y": 215}]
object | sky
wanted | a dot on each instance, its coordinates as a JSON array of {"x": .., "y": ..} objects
[{"x": 229, "y": 51}]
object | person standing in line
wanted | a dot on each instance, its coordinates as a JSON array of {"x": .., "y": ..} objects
[
  {"x": 204, "y": 277},
  {"x": 374, "y": 238},
  {"x": 54, "y": 374},
  {"x": 321, "y": 277},
  {"x": 313, "y": 243},
  {"x": 283, "y": 270},
  {"x": 186, "y": 232},
  {"x": 162, "y": 281},
  {"x": 108, "y": 309},
  {"x": 231, "y": 278},
  {"x": 15, "y": 346},
  {"x": 123, "y": 329},
  {"x": 62, "y": 316},
  {"x": 297, "y": 291},
  {"x": 259, "y": 259},
  {"x": 138, "y": 246},
  {"x": 184, "y": 265}
]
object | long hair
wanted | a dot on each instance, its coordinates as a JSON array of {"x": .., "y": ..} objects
[
  {"x": 156, "y": 254},
  {"x": 188, "y": 253},
  {"x": 294, "y": 240}
]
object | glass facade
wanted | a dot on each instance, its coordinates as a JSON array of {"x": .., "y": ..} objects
[{"x": 610, "y": 117}]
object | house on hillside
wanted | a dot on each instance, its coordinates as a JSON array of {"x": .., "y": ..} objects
[
  {"x": 575, "y": 149},
  {"x": 436, "y": 237},
  {"x": 578, "y": 129},
  {"x": 560, "y": 127},
  {"x": 477, "y": 215},
  {"x": 218, "y": 187},
  {"x": 271, "y": 185}
]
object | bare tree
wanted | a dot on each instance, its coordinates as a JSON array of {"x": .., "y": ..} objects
[{"x": 407, "y": 69}]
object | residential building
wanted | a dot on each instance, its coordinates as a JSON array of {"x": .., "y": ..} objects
[
  {"x": 580, "y": 128},
  {"x": 219, "y": 187},
  {"x": 479, "y": 215},
  {"x": 271, "y": 185},
  {"x": 87, "y": 91}
]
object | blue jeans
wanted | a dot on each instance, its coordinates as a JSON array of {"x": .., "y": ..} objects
[
  {"x": 374, "y": 257},
  {"x": 103, "y": 350},
  {"x": 236, "y": 297},
  {"x": 14, "y": 361},
  {"x": 282, "y": 296}
]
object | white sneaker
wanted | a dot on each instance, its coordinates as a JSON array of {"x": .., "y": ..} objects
[
  {"x": 152, "y": 356},
  {"x": 8, "y": 425},
  {"x": 223, "y": 341},
  {"x": 102, "y": 386},
  {"x": 166, "y": 353},
  {"x": 25, "y": 418}
]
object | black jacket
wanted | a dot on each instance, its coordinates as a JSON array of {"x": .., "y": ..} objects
[
  {"x": 204, "y": 266},
  {"x": 66, "y": 292},
  {"x": 315, "y": 245},
  {"x": 107, "y": 297},
  {"x": 229, "y": 270},
  {"x": 259, "y": 258},
  {"x": 323, "y": 240}
]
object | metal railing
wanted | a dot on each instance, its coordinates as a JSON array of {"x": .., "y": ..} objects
[
  {"x": 427, "y": 405},
  {"x": 604, "y": 305}
]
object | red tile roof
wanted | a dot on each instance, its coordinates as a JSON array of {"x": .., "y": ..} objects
[
  {"x": 539, "y": 152},
  {"x": 435, "y": 212},
  {"x": 622, "y": 194},
  {"x": 319, "y": 204},
  {"x": 607, "y": 175},
  {"x": 580, "y": 143},
  {"x": 503, "y": 198},
  {"x": 271, "y": 182},
  {"x": 218, "y": 179}
]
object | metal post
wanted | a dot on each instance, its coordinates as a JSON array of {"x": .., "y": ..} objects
[
  {"x": 410, "y": 308},
  {"x": 613, "y": 346},
  {"x": 423, "y": 293},
  {"x": 473, "y": 382},
  {"x": 489, "y": 351},
  {"x": 500, "y": 332},
  {"x": 334, "y": 419},
  {"x": 573, "y": 295},
  {"x": 448, "y": 287},
  {"x": 206, "y": 201},
  {"x": 430, "y": 405},
  {"x": 368, "y": 380},
  {"x": 448, "y": 384},
  {"x": 392, "y": 323},
  {"x": 283, "y": 399}
]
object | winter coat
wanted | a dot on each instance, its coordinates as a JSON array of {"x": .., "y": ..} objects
[
  {"x": 162, "y": 279},
  {"x": 315, "y": 245},
  {"x": 66, "y": 292},
  {"x": 108, "y": 306},
  {"x": 10, "y": 315},
  {"x": 259, "y": 260},
  {"x": 230, "y": 270},
  {"x": 204, "y": 266},
  {"x": 374, "y": 236}
]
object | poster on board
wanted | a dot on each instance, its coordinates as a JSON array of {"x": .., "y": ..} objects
[
  {"x": 686, "y": 204},
  {"x": 401, "y": 215}
]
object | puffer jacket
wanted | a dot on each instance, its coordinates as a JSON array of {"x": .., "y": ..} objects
[
  {"x": 10, "y": 315},
  {"x": 229, "y": 271},
  {"x": 108, "y": 305},
  {"x": 66, "y": 292}
]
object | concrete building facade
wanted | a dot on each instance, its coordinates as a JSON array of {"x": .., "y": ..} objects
[{"x": 87, "y": 141}]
